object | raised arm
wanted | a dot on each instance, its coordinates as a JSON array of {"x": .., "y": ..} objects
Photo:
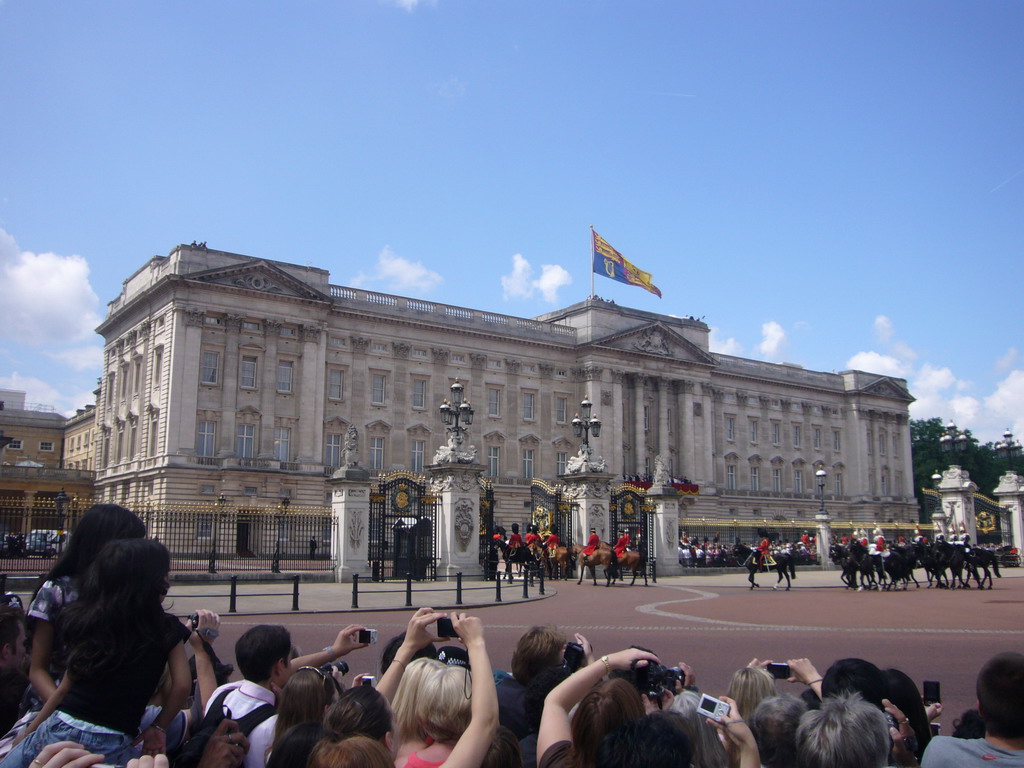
[
  {"x": 346, "y": 641},
  {"x": 417, "y": 636},
  {"x": 39, "y": 665},
  {"x": 206, "y": 677},
  {"x": 472, "y": 746}
]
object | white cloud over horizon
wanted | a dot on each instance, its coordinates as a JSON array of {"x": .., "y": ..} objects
[
  {"x": 521, "y": 284},
  {"x": 399, "y": 274},
  {"x": 773, "y": 341},
  {"x": 720, "y": 346}
]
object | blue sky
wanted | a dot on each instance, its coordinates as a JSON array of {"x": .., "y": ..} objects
[{"x": 835, "y": 184}]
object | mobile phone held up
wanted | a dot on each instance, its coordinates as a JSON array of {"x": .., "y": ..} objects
[
  {"x": 930, "y": 692},
  {"x": 779, "y": 671},
  {"x": 445, "y": 628}
]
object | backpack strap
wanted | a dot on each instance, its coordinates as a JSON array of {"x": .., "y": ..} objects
[
  {"x": 247, "y": 723},
  {"x": 214, "y": 713}
]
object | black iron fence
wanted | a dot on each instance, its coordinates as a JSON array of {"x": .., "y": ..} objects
[{"x": 202, "y": 537}]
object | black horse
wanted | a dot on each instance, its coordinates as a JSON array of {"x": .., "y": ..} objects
[
  {"x": 953, "y": 559},
  {"x": 978, "y": 558},
  {"x": 784, "y": 565}
]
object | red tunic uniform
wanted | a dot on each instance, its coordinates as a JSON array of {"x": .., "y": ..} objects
[
  {"x": 515, "y": 540},
  {"x": 592, "y": 544},
  {"x": 765, "y": 547},
  {"x": 880, "y": 544},
  {"x": 552, "y": 541},
  {"x": 622, "y": 545},
  {"x": 531, "y": 539}
]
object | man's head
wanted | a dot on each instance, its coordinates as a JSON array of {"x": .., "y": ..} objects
[
  {"x": 1001, "y": 695},
  {"x": 263, "y": 654},
  {"x": 12, "y": 637},
  {"x": 537, "y": 650},
  {"x": 856, "y": 676},
  {"x": 656, "y": 739},
  {"x": 823, "y": 737},
  {"x": 774, "y": 725}
]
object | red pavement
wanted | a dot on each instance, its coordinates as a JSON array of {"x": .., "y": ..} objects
[{"x": 718, "y": 625}]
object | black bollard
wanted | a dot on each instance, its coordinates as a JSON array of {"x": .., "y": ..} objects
[
  {"x": 540, "y": 580},
  {"x": 355, "y": 590},
  {"x": 232, "y": 603},
  {"x": 497, "y": 590},
  {"x": 526, "y": 587},
  {"x": 408, "y": 590},
  {"x": 295, "y": 594},
  {"x": 458, "y": 588}
]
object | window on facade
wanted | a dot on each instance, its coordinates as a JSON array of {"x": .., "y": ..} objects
[
  {"x": 249, "y": 325},
  {"x": 247, "y": 372},
  {"x": 839, "y": 483},
  {"x": 335, "y": 384},
  {"x": 376, "y": 453},
  {"x": 754, "y": 425},
  {"x": 528, "y": 401},
  {"x": 776, "y": 480},
  {"x": 560, "y": 462},
  {"x": 158, "y": 367},
  {"x": 209, "y": 370},
  {"x": 798, "y": 481},
  {"x": 837, "y": 440},
  {"x": 154, "y": 434},
  {"x": 15, "y": 445},
  {"x": 870, "y": 442},
  {"x": 647, "y": 417},
  {"x": 493, "y": 402},
  {"x": 528, "y": 462},
  {"x": 882, "y": 440},
  {"x": 245, "y": 441},
  {"x": 282, "y": 443},
  {"x": 137, "y": 376},
  {"x": 885, "y": 483},
  {"x": 895, "y": 445},
  {"x": 796, "y": 435},
  {"x": 123, "y": 385},
  {"x": 561, "y": 409},
  {"x": 776, "y": 432},
  {"x": 817, "y": 438},
  {"x": 493, "y": 460},
  {"x": 46, "y": 446},
  {"x": 378, "y": 389},
  {"x": 110, "y": 389},
  {"x": 332, "y": 449},
  {"x": 755, "y": 478},
  {"x": 419, "y": 393},
  {"x": 730, "y": 428},
  {"x": 417, "y": 449},
  {"x": 285, "y": 375},
  {"x": 730, "y": 477}
]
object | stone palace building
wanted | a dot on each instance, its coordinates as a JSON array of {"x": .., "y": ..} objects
[{"x": 230, "y": 375}]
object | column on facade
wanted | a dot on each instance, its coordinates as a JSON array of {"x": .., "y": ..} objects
[
  {"x": 229, "y": 388},
  {"x": 685, "y": 439},
  {"x": 592, "y": 493},
  {"x": 906, "y": 458},
  {"x": 184, "y": 394},
  {"x": 268, "y": 391},
  {"x": 704, "y": 457},
  {"x": 859, "y": 465},
  {"x": 615, "y": 428},
  {"x": 1010, "y": 493},
  {"x": 510, "y": 417},
  {"x": 313, "y": 366},
  {"x": 640, "y": 435},
  {"x": 664, "y": 406}
]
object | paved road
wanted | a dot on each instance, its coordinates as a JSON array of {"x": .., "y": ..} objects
[{"x": 713, "y": 622}]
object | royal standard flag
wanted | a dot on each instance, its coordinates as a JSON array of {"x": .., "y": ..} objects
[{"x": 611, "y": 263}]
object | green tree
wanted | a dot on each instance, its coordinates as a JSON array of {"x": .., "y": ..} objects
[{"x": 979, "y": 460}]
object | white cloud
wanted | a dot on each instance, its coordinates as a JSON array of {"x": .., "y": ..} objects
[
  {"x": 411, "y": 5},
  {"x": 721, "y": 346},
  {"x": 773, "y": 340},
  {"x": 399, "y": 274},
  {"x": 875, "y": 362},
  {"x": 40, "y": 392},
  {"x": 1006, "y": 362},
  {"x": 79, "y": 358},
  {"x": 520, "y": 283},
  {"x": 883, "y": 329},
  {"x": 451, "y": 89},
  {"x": 1005, "y": 406},
  {"x": 47, "y": 298}
]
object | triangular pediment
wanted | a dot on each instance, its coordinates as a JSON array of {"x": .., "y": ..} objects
[
  {"x": 657, "y": 340},
  {"x": 495, "y": 436},
  {"x": 260, "y": 276},
  {"x": 418, "y": 430},
  {"x": 886, "y": 387}
]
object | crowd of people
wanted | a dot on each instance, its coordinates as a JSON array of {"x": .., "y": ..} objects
[{"x": 110, "y": 677}]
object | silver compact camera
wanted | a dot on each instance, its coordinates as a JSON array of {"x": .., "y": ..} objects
[{"x": 714, "y": 708}]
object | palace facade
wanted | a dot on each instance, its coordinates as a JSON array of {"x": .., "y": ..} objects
[{"x": 228, "y": 375}]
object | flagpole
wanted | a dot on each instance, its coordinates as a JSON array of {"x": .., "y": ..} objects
[{"x": 591, "y": 260}]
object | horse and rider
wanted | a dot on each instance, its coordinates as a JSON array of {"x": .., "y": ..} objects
[
  {"x": 614, "y": 560},
  {"x": 762, "y": 559}
]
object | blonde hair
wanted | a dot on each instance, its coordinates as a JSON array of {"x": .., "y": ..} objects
[
  {"x": 432, "y": 701},
  {"x": 749, "y": 687}
]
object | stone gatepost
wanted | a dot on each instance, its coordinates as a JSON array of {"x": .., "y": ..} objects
[
  {"x": 1011, "y": 495},
  {"x": 665, "y": 529},
  {"x": 956, "y": 495},
  {"x": 350, "y": 502},
  {"x": 457, "y": 486},
  {"x": 824, "y": 540},
  {"x": 591, "y": 491}
]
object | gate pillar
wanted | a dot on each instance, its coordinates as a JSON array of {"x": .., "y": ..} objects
[
  {"x": 591, "y": 492},
  {"x": 1011, "y": 495},
  {"x": 458, "y": 522},
  {"x": 665, "y": 529},
  {"x": 350, "y": 503},
  {"x": 956, "y": 495}
]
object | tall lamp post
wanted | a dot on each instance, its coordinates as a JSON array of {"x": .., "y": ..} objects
[
  {"x": 585, "y": 424},
  {"x": 282, "y": 507},
  {"x": 60, "y": 502},
  {"x": 1009, "y": 449},
  {"x": 456, "y": 415},
  {"x": 954, "y": 441},
  {"x": 221, "y": 502},
  {"x": 821, "y": 474},
  {"x": 824, "y": 524}
]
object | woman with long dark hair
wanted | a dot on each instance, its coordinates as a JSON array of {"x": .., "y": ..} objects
[
  {"x": 119, "y": 640},
  {"x": 59, "y": 588}
]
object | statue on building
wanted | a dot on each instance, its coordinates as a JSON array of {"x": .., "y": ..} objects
[
  {"x": 661, "y": 473},
  {"x": 350, "y": 457},
  {"x": 585, "y": 461},
  {"x": 453, "y": 452}
]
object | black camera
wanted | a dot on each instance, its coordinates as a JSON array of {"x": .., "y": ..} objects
[
  {"x": 194, "y": 620},
  {"x": 654, "y": 678},
  {"x": 573, "y": 656},
  {"x": 341, "y": 666}
]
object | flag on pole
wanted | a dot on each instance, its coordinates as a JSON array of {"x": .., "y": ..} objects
[{"x": 611, "y": 263}]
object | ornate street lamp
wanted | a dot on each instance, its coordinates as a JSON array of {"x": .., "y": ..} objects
[
  {"x": 583, "y": 427},
  {"x": 456, "y": 415},
  {"x": 282, "y": 507},
  {"x": 221, "y": 502},
  {"x": 60, "y": 502},
  {"x": 1008, "y": 448},
  {"x": 954, "y": 441},
  {"x": 821, "y": 474}
]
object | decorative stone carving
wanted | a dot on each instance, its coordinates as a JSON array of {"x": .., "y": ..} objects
[
  {"x": 585, "y": 462},
  {"x": 652, "y": 341},
  {"x": 440, "y": 355},
  {"x": 618, "y": 377},
  {"x": 310, "y": 333},
  {"x": 606, "y": 397},
  {"x": 400, "y": 349},
  {"x": 194, "y": 316},
  {"x": 350, "y": 457},
  {"x": 233, "y": 322},
  {"x": 359, "y": 344},
  {"x": 546, "y": 370},
  {"x": 594, "y": 486},
  {"x": 477, "y": 360},
  {"x": 356, "y": 528},
  {"x": 512, "y": 365},
  {"x": 597, "y": 519},
  {"x": 671, "y": 530},
  {"x": 447, "y": 481},
  {"x": 256, "y": 282},
  {"x": 463, "y": 524},
  {"x": 661, "y": 475},
  {"x": 453, "y": 452},
  {"x": 272, "y": 326}
]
